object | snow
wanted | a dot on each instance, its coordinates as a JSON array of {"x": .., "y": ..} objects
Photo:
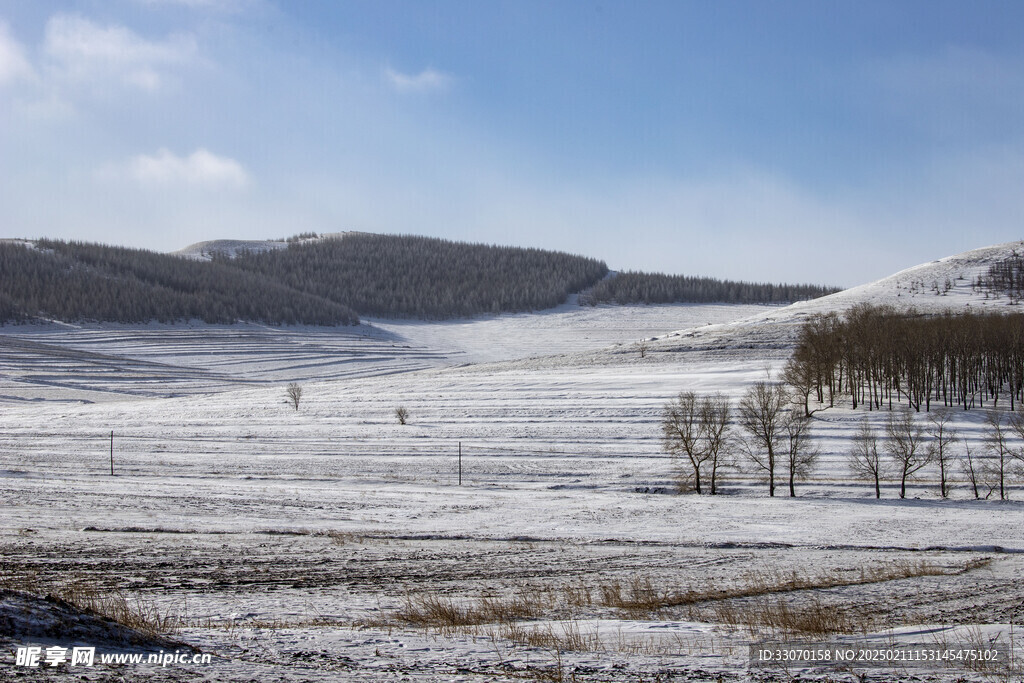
[
  {"x": 566, "y": 328},
  {"x": 202, "y": 251},
  {"x": 285, "y": 536}
]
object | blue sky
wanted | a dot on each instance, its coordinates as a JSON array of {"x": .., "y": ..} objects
[{"x": 786, "y": 141}]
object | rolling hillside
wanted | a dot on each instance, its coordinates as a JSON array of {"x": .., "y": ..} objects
[
  {"x": 328, "y": 280},
  {"x": 74, "y": 281},
  {"x": 302, "y": 281}
]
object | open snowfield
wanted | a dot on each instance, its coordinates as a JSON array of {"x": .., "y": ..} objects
[
  {"x": 288, "y": 541},
  {"x": 89, "y": 363}
]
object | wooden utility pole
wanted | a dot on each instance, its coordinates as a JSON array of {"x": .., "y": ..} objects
[
  {"x": 460, "y": 463},
  {"x": 111, "y": 453}
]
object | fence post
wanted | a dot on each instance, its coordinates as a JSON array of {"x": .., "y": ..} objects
[
  {"x": 111, "y": 452},
  {"x": 460, "y": 463}
]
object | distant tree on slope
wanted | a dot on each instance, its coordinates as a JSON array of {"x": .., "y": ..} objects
[{"x": 294, "y": 393}]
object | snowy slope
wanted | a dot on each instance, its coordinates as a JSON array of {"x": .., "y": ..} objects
[
  {"x": 769, "y": 335},
  {"x": 298, "y": 526},
  {"x": 922, "y": 287},
  {"x": 201, "y": 251}
]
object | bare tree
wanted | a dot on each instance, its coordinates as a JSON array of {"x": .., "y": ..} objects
[
  {"x": 695, "y": 429},
  {"x": 997, "y": 438},
  {"x": 294, "y": 392},
  {"x": 979, "y": 475},
  {"x": 800, "y": 376},
  {"x": 714, "y": 419},
  {"x": 800, "y": 453},
  {"x": 642, "y": 346},
  {"x": 944, "y": 435},
  {"x": 904, "y": 444},
  {"x": 865, "y": 460},
  {"x": 1017, "y": 425},
  {"x": 682, "y": 437},
  {"x": 761, "y": 412},
  {"x": 402, "y": 413}
]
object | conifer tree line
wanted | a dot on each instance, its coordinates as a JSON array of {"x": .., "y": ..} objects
[
  {"x": 331, "y": 281},
  {"x": 878, "y": 358},
  {"x": 657, "y": 288},
  {"x": 405, "y": 275},
  {"x": 315, "y": 283},
  {"x": 75, "y": 281}
]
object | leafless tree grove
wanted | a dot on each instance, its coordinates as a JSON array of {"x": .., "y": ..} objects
[
  {"x": 775, "y": 434},
  {"x": 695, "y": 430},
  {"x": 879, "y": 358}
]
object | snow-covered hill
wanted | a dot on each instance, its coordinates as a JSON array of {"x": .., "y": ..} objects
[
  {"x": 943, "y": 285},
  {"x": 202, "y": 251},
  {"x": 522, "y": 474}
]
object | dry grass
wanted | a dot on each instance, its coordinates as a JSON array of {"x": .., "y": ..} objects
[
  {"x": 1010, "y": 669},
  {"x": 758, "y": 602},
  {"x": 641, "y": 597},
  {"x": 345, "y": 537},
  {"x": 775, "y": 615},
  {"x": 125, "y": 609},
  {"x": 446, "y": 614}
]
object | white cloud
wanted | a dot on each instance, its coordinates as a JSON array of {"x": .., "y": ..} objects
[
  {"x": 83, "y": 51},
  {"x": 427, "y": 80},
  {"x": 201, "y": 169},
  {"x": 13, "y": 63}
]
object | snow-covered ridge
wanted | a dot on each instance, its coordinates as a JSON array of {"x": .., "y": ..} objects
[
  {"x": 202, "y": 251},
  {"x": 946, "y": 284},
  {"x": 28, "y": 244}
]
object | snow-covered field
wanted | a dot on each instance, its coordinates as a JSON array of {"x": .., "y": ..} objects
[{"x": 287, "y": 540}]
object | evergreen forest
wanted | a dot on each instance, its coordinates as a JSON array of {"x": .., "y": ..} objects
[
  {"x": 330, "y": 281},
  {"x": 656, "y": 288}
]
